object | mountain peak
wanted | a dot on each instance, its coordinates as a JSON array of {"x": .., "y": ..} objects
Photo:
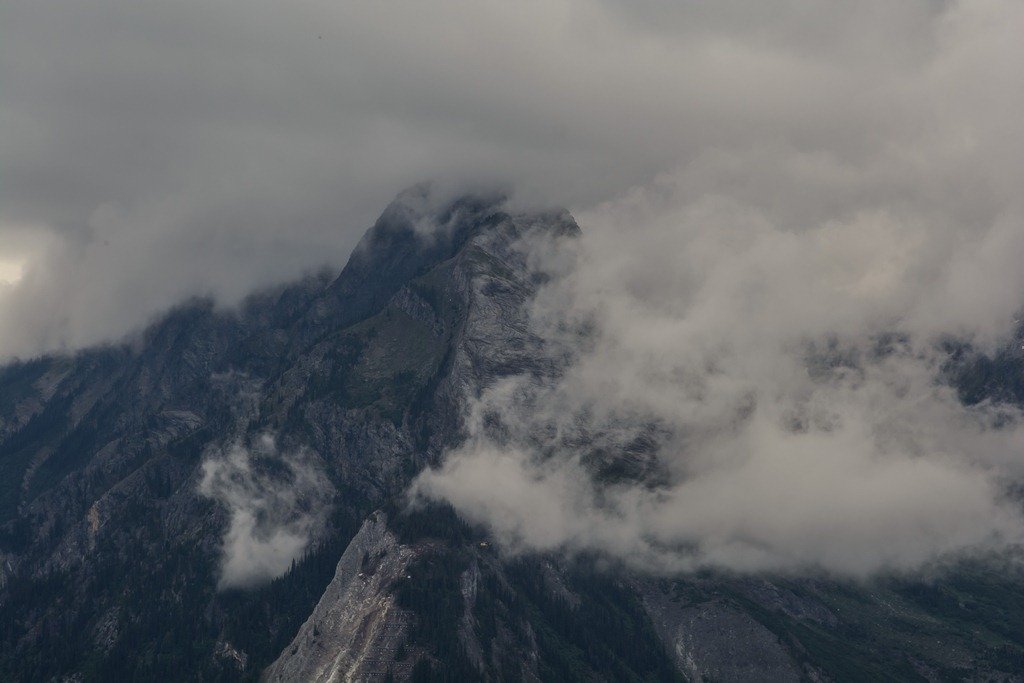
[
  {"x": 423, "y": 218},
  {"x": 422, "y": 227}
]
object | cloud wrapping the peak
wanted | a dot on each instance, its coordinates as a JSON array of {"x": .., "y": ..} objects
[
  {"x": 759, "y": 337},
  {"x": 752, "y": 396}
]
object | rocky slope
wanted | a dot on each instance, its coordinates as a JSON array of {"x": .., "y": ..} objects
[
  {"x": 356, "y": 628},
  {"x": 115, "y": 533}
]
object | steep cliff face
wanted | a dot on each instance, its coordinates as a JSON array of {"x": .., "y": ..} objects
[
  {"x": 136, "y": 478},
  {"x": 356, "y": 629}
]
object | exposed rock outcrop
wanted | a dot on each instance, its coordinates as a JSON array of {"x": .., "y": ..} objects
[
  {"x": 356, "y": 628},
  {"x": 715, "y": 641}
]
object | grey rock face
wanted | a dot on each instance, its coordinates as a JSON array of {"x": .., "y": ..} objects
[
  {"x": 715, "y": 641},
  {"x": 356, "y": 628},
  {"x": 781, "y": 599}
]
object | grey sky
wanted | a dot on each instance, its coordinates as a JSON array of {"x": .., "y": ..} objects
[{"x": 155, "y": 150}]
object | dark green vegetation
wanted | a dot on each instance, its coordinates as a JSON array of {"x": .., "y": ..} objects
[
  {"x": 887, "y": 630},
  {"x": 584, "y": 624},
  {"x": 167, "y": 619}
]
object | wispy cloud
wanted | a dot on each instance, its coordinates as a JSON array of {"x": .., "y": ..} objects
[
  {"x": 757, "y": 338},
  {"x": 277, "y": 501}
]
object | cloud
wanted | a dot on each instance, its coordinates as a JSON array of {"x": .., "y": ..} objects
[
  {"x": 753, "y": 397},
  {"x": 757, "y": 338},
  {"x": 195, "y": 148},
  {"x": 276, "y": 501}
]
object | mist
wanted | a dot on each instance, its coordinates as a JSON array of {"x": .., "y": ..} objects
[
  {"x": 757, "y": 343},
  {"x": 775, "y": 395},
  {"x": 276, "y": 503}
]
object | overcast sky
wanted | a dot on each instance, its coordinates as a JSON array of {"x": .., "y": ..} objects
[{"x": 155, "y": 150}]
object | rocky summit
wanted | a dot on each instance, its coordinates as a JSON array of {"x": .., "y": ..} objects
[{"x": 223, "y": 497}]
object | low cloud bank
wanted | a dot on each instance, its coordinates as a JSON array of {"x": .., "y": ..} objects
[
  {"x": 757, "y": 344},
  {"x": 750, "y": 396},
  {"x": 277, "y": 501}
]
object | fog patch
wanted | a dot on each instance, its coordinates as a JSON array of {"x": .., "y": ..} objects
[{"x": 277, "y": 502}]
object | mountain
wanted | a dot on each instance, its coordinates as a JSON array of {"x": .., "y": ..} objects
[{"x": 222, "y": 498}]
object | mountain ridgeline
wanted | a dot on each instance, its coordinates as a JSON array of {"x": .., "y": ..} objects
[{"x": 149, "y": 491}]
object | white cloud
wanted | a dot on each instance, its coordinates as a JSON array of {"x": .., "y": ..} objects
[
  {"x": 277, "y": 502},
  {"x": 790, "y": 381},
  {"x": 11, "y": 270},
  {"x": 769, "y": 317}
]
